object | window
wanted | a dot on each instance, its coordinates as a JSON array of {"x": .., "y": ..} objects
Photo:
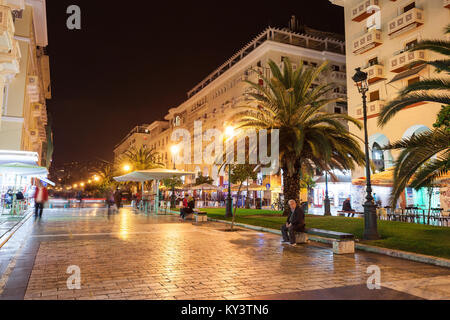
[
  {"x": 377, "y": 157},
  {"x": 413, "y": 80},
  {"x": 335, "y": 67},
  {"x": 337, "y": 110},
  {"x": 409, "y": 7},
  {"x": 314, "y": 64},
  {"x": 373, "y": 61},
  {"x": 375, "y": 95},
  {"x": 258, "y": 64},
  {"x": 410, "y": 45},
  {"x": 305, "y": 63}
]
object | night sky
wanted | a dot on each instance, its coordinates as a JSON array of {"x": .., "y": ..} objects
[{"x": 133, "y": 60}]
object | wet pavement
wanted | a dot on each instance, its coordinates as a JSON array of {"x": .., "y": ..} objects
[{"x": 127, "y": 255}]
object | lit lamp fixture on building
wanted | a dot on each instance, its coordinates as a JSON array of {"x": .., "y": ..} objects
[
  {"x": 126, "y": 168},
  {"x": 229, "y": 132},
  {"x": 370, "y": 212},
  {"x": 174, "y": 150}
]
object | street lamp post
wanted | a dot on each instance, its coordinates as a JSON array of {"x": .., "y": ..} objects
[
  {"x": 229, "y": 131},
  {"x": 174, "y": 149},
  {"x": 326, "y": 202},
  {"x": 370, "y": 212}
]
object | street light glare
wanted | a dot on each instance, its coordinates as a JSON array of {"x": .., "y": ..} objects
[
  {"x": 126, "y": 167},
  {"x": 229, "y": 131},
  {"x": 174, "y": 149}
]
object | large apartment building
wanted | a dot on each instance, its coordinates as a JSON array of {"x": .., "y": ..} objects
[
  {"x": 24, "y": 78},
  {"x": 378, "y": 34},
  {"x": 214, "y": 100}
]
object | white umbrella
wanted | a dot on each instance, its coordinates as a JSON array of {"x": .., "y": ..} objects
[{"x": 153, "y": 174}]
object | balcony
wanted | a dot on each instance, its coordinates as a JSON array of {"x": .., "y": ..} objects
[
  {"x": 375, "y": 73},
  {"x": 373, "y": 109},
  {"x": 406, "y": 22},
  {"x": 364, "y": 10},
  {"x": 367, "y": 42},
  {"x": 9, "y": 61},
  {"x": 338, "y": 76},
  {"x": 6, "y": 29},
  {"x": 36, "y": 110},
  {"x": 404, "y": 60},
  {"x": 447, "y": 4},
  {"x": 338, "y": 95}
]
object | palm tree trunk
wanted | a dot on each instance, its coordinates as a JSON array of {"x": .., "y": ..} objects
[{"x": 291, "y": 188}]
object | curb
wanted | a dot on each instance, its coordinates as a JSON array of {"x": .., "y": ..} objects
[
  {"x": 416, "y": 257},
  {"x": 4, "y": 238}
]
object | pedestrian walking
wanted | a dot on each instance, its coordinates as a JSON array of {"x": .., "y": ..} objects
[
  {"x": 118, "y": 198},
  {"x": 40, "y": 198}
]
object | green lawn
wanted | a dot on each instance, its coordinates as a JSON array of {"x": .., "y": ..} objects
[{"x": 429, "y": 240}]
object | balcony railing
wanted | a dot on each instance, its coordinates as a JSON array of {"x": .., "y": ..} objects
[
  {"x": 338, "y": 76},
  {"x": 36, "y": 110},
  {"x": 375, "y": 73},
  {"x": 368, "y": 41},
  {"x": 447, "y": 4},
  {"x": 403, "y": 61},
  {"x": 338, "y": 95},
  {"x": 373, "y": 108},
  {"x": 364, "y": 10},
  {"x": 405, "y": 22},
  {"x": 6, "y": 29}
]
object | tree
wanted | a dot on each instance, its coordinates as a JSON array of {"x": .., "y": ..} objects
[
  {"x": 427, "y": 90},
  {"x": 239, "y": 174},
  {"x": 309, "y": 136},
  {"x": 142, "y": 158},
  {"x": 307, "y": 182},
  {"x": 106, "y": 173},
  {"x": 424, "y": 157},
  {"x": 201, "y": 179}
]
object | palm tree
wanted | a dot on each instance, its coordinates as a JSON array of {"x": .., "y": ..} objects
[
  {"x": 310, "y": 138},
  {"x": 142, "y": 158},
  {"x": 424, "y": 158},
  {"x": 427, "y": 90}
]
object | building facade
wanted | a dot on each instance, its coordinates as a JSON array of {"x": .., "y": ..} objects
[
  {"x": 214, "y": 100},
  {"x": 378, "y": 34},
  {"x": 136, "y": 138},
  {"x": 24, "y": 78}
]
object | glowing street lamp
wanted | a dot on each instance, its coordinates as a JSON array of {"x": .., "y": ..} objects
[
  {"x": 96, "y": 178},
  {"x": 126, "y": 168},
  {"x": 82, "y": 184},
  {"x": 174, "y": 150},
  {"x": 75, "y": 185}
]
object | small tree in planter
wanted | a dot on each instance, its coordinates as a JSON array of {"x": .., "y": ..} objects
[{"x": 239, "y": 174}]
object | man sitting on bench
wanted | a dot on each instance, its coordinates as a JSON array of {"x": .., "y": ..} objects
[
  {"x": 347, "y": 207},
  {"x": 295, "y": 223}
]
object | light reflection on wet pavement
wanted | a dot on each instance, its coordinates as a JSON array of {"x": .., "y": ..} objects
[{"x": 133, "y": 256}]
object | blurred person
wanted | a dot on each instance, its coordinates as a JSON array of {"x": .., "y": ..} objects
[{"x": 40, "y": 198}]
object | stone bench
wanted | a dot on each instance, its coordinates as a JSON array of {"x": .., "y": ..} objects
[
  {"x": 342, "y": 242},
  {"x": 200, "y": 216},
  {"x": 197, "y": 216}
]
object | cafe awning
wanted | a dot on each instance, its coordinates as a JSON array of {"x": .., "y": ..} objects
[{"x": 153, "y": 174}]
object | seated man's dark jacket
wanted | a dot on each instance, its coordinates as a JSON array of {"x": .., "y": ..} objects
[
  {"x": 298, "y": 219},
  {"x": 346, "y": 206}
]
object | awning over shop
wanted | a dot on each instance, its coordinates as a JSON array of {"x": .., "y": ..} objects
[
  {"x": 386, "y": 178},
  {"x": 22, "y": 169},
  {"x": 152, "y": 174}
]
